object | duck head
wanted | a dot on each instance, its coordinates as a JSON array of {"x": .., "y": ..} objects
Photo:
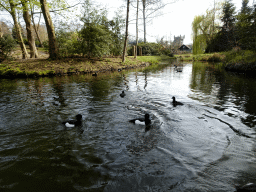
[{"x": 79, "y": 117}]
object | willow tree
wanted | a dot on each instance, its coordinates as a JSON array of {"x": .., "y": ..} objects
[
  {"x": 198, "y": 41},
  {"x": 204, "y": 29}
]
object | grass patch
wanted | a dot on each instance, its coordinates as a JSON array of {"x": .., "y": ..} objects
[
  {"x": 211, "y": 57},
  {"x": 242, "y": 56},
  {"x": 241, "y": 61}
]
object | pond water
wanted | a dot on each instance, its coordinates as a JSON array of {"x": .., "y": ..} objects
[{"x": 207, "y": 144}]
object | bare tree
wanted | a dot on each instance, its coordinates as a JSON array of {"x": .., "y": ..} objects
[
  {"x": 126, "y": 31},
  {"x": 150, "y": 9}
]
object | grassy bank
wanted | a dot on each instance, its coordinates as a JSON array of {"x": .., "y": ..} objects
[
  {"x": 243, "y": 61},
  {"x": 67, "y": 66},
  {"x": 212, "y": 57}
]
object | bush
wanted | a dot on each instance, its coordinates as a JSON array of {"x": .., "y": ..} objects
[
  {"x": 167, "y": 52},
  {"x": 67, "y": 43},
  {"x": 7, "y": 44},
  {"x": 46, "y": 44},
  {"x": 25, "y": 41},
  {"x": 151, "y": 49},
  {"x": 148, "y": 49}
]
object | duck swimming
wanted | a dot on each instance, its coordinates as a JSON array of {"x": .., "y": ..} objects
[
  {"x": 142, "y": 121},
  {"x": 177, "y": 69},
  {"x": 175, "y": 103},
  {"x": 72, "y": 122},
  {"x": 122, "y": 94}
]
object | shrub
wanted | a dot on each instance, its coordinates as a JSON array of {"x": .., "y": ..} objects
[
  {"x": 7, "y": 44},
  {"x": 46, "y": 44},
  {"x": 148, "y": 49},
  {"x": 25, "y": 41},
  {"x": 67, "y": 43}
]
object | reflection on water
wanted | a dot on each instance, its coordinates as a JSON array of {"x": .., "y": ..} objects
[{"x": 207, "y": 144}]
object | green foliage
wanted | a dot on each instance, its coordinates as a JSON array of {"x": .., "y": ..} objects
[
  {"x": 116, "y": 26},
  {"x": 46, "y": 44},
  {"x": 99, "y": 36},
  {"x": 7, "y": 44},
  {"x": 95, "y": 40},
  {"x": 37, "y": 43},
  {"x": 226, "y": 38},
  {"x": 25, "y": 40},
  {"x": 242, "y": 56},
  {"x": 204, "y": 27},
  {"x": 152, "y": 49},
  {"x": 166, "y": 51},
  {"x": 243, "y": 25},
  {"x": 67, "y": 43}
]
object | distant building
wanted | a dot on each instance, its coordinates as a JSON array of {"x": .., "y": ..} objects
[
  {"x": 185, "y": 48},
  {"x": 178, "y": 41}
]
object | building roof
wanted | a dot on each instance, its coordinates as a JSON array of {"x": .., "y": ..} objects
[{"x": 184, "y": 47}]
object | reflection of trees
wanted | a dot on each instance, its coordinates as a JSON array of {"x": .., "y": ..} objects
[
  {"x": 57, "y": 86},
  {"x": 224, "y": 88},
  {"x": 100, "y": 87},
  {"x": 126, "y": 82}
]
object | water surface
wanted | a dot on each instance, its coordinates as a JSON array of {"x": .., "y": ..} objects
[{"x": 208, "y": 144}]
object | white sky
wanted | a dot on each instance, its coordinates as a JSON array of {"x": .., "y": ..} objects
[{"x": 177, "y": 18}]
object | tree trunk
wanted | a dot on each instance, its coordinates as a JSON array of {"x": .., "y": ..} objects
[
  {"x": 53, "y": 49},
  {"x": 137, "y": 30},
  {"x": 18, "y": 31},
  {"x": 31, "y": 39},
  {"x": 36, "y": 29},
  {"x": 126, "y": 31},
  {"x": 144, "y": 19}
]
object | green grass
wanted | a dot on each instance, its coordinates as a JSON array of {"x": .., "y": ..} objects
[
  {"x": 211, "y": 57},
  {"x": 242, "y": 56},
  {"x": 152, "y": 59}
]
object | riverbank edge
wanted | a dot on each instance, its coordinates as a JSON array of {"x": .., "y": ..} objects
[
  {"x": 240, "y": 61},
  {"x": 68, "y": 66}
]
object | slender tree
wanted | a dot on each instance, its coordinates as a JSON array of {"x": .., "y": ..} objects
[
  {"x": 144, "y": 19},
  {"x": 137, "y": 30},
  {"x": 126, "y": 31}
]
